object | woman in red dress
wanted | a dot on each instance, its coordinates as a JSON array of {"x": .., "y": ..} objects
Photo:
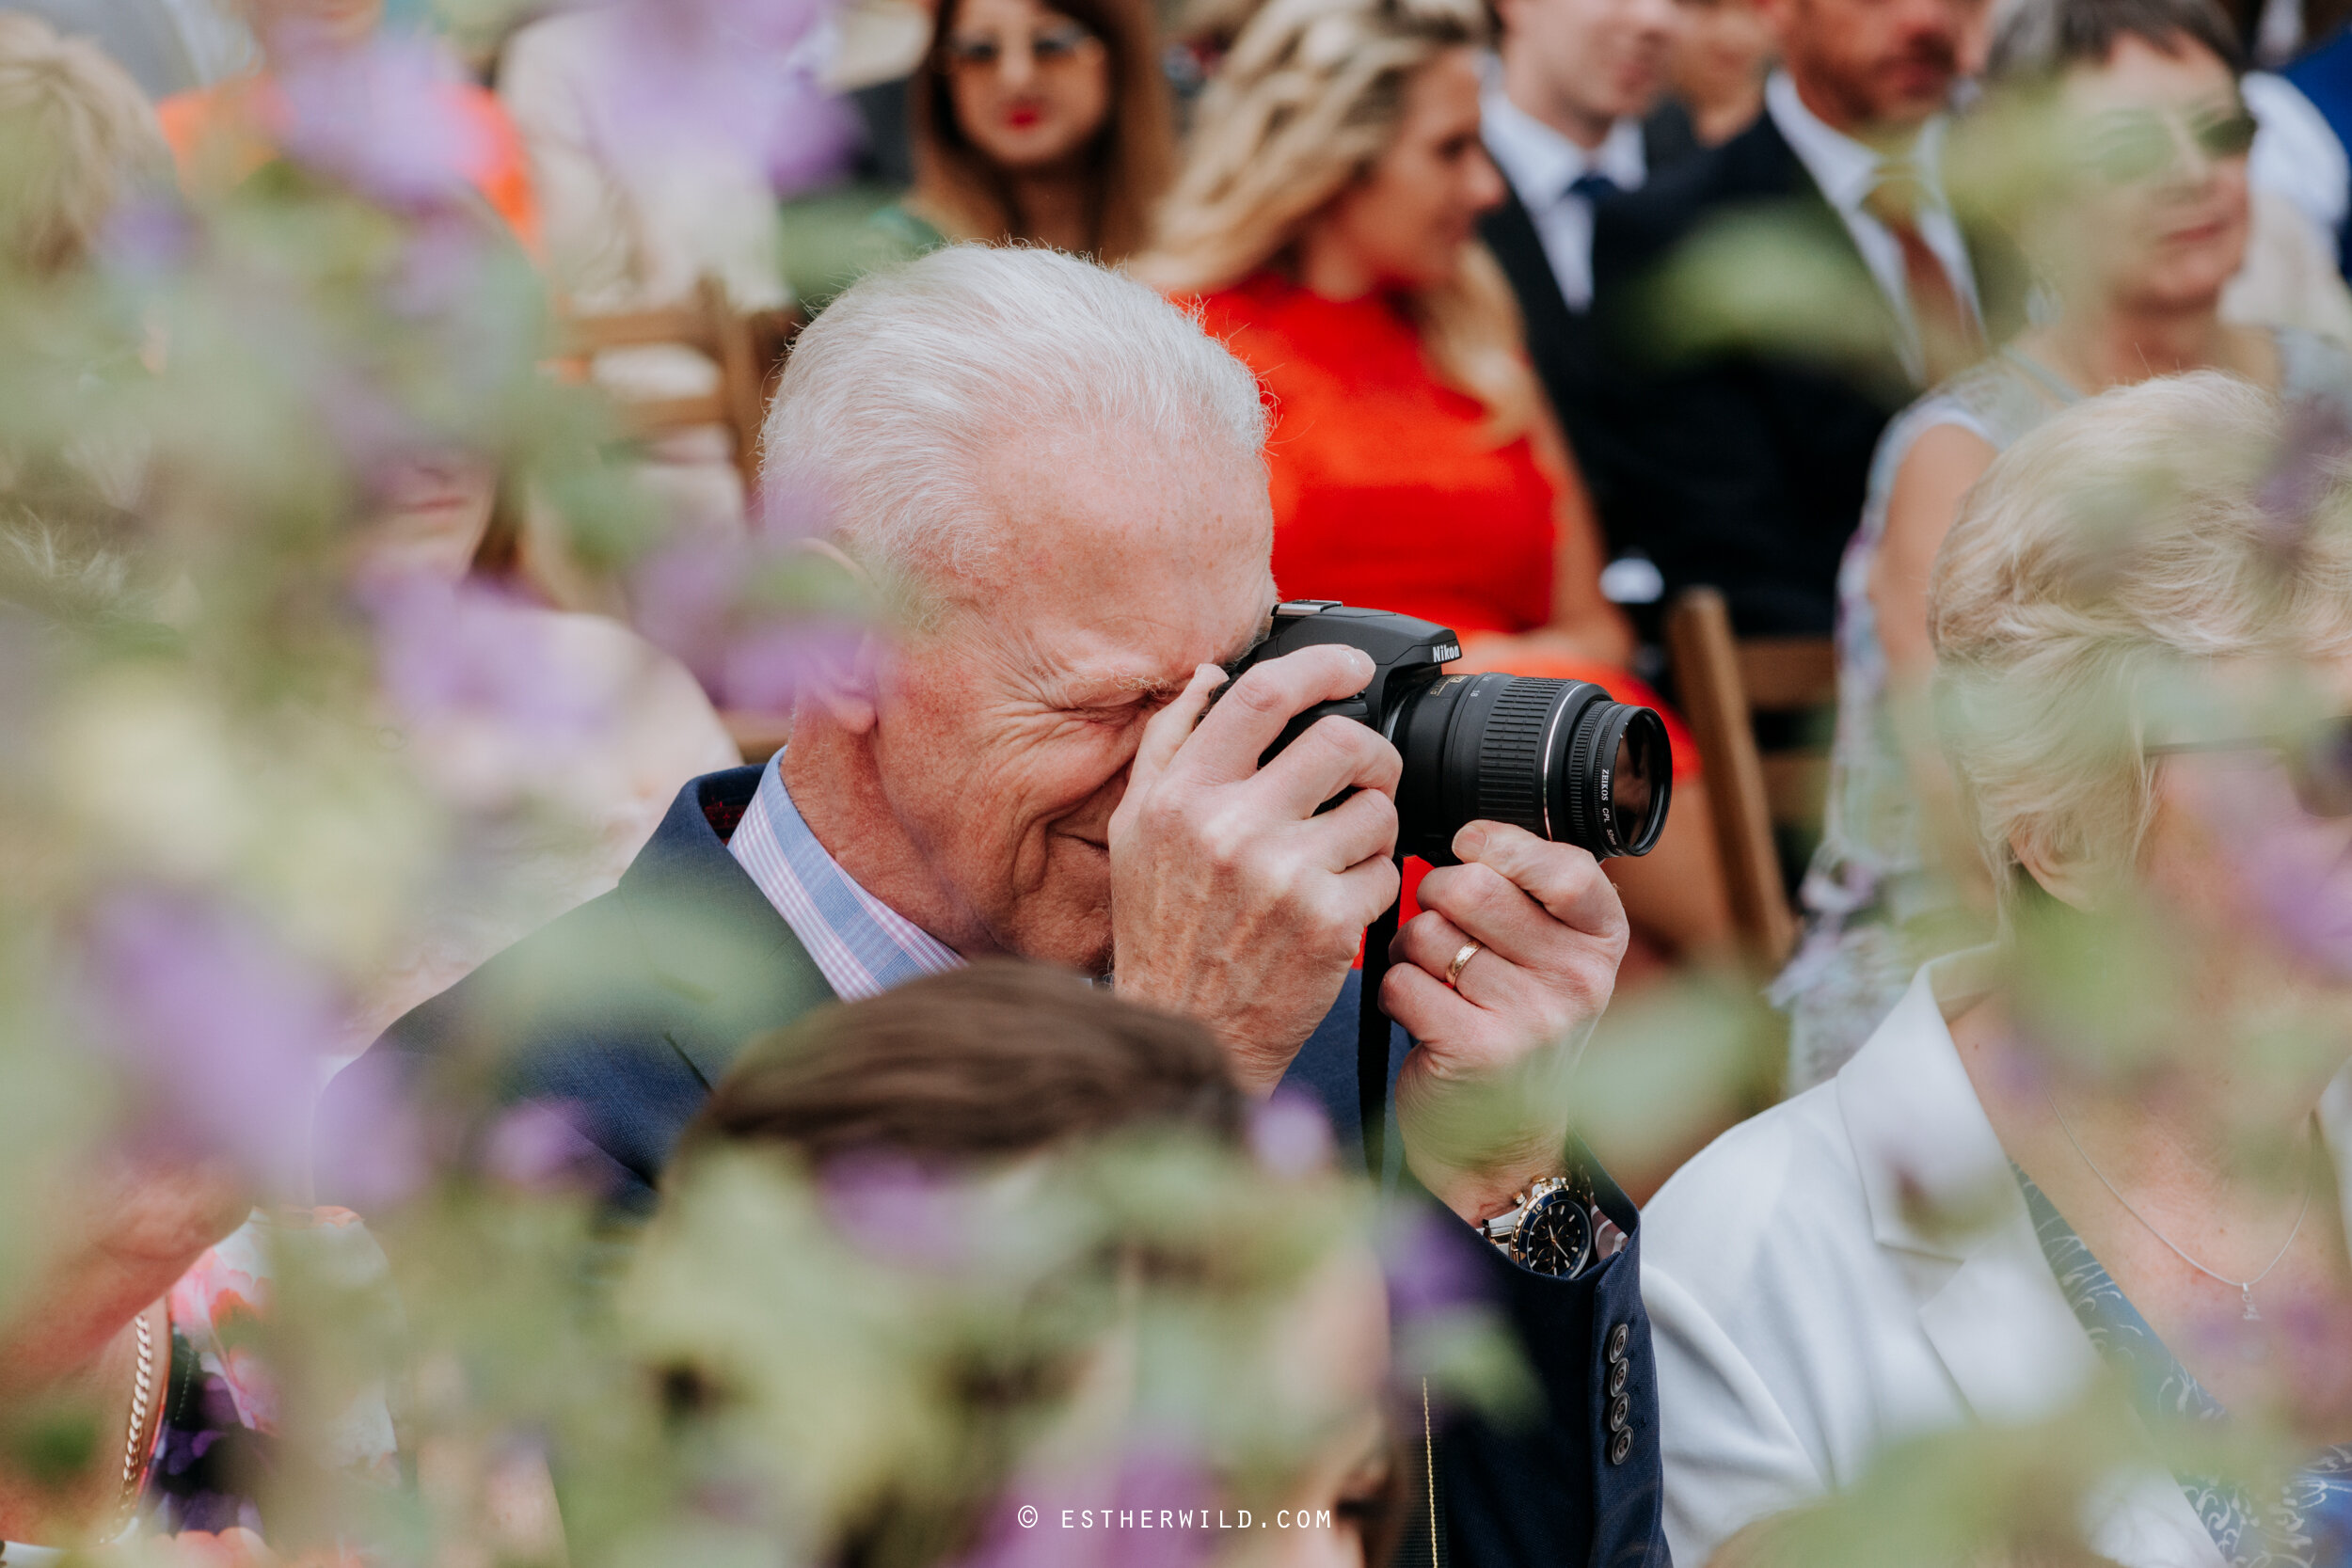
[{"x": 1325, "y": 227}]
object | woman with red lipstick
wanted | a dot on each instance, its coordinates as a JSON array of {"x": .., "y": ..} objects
[
  {"x": 1326, "y": 223},
  {"x": 1049, "y": 124},
  {"x": 2144, "y": 225}
]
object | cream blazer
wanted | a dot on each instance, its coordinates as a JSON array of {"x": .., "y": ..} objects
[{"x": 1803, "y": 1321}]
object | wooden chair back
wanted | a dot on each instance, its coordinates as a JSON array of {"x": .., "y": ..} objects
[
  {"x": 749, "y": 349},
  {"x": 1724, "y": 683}
]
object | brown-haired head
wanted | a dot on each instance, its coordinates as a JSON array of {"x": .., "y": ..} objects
[{"x": 995, "y": 1061}]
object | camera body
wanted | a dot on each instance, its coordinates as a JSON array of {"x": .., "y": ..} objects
[{"x": 1559, "y": 758}]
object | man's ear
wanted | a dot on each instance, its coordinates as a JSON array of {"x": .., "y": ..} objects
[{"x": 844, "y": 676}]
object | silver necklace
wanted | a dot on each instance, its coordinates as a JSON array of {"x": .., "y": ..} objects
[{"x": 2245, "y": 1288}]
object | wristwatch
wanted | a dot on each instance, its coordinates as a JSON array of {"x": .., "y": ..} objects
[{"x": 1548, "y": 1227}]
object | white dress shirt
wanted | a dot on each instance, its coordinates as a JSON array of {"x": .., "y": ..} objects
[
  {"x": 1808, "y": 1309},
  {"x": 1541, "y": 164},
  {"x": 1846, "y": 172}
]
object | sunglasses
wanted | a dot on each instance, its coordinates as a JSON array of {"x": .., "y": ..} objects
[
  {"x": 1057, "y": 43},
  {"x": 2130, "y": 146},
  {"x": 2318, "y": 760}
]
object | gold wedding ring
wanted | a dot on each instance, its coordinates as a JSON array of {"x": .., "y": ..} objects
[{"x": 1454, "y": 971}]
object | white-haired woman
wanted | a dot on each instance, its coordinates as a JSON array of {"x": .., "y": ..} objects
[
  {"x": 2116, "y": 1137},
  {"x": 2135, "y": 240},
  {"x": 1324, "y": 222}
]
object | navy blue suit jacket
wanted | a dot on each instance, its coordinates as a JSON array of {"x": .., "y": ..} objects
[
  {"x": 1742, "y": 463},
  {"x": 626, "y": 1011}
]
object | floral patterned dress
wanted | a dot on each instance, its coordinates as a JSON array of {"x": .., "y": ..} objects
[
  {"x": 216, "y": 1440},
  {"x": 2306, "y": 1525}
]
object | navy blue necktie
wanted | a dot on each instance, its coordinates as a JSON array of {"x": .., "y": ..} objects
[{"x": 1593, "y": 186}]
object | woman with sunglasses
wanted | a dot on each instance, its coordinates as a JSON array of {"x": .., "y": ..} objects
[
  {"x": 1048, "y": 124},
  {"x": 2092, "y": 1173},
  {"x": 2142, "y": 224}
]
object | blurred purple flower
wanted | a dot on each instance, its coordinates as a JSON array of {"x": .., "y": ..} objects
[
  {"x": 453, "y": 654},
  {"x": 2318, "y": 439},
  {"x": 1155, "y": 1505},
  {"x": 373, "y": 1155},
  {"x": 897, "y": 1213},
  {"x": 149, "y": 236},
  {"x": 535, "y": 1147},
  {"x": 441, "y": 266},
  {"x": 734, "y": 82},
  {"x": 700, "y": 600},
  {"x": 1431, "y": 1265},
  {"x": 384, "y": 117},
  {"x": 1288, "y": 1136},
  {"x": 221, "y": 1022}
]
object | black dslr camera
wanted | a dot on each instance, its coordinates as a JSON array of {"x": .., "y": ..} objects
[{"x": 1558, "y": 759}]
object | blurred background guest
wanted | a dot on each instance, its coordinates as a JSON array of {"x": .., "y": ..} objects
[
  {"x": 168, "y": 46},
  {"x": 1325, "y": 223},
  {"x": 1739, "y": 430},
  {"x": 1006, "y": 1077},
  {"x": 222, "y": 134},
  {"x": 2300, "y": 184},
  {"x": 2104, "y": 1153},
  {"x": 1563, "y": 121},
  {"x": 80, "y": 138},
  {"x": 2140, "y": 230},
  {"x": 77, "y": 141},
  {"x": 1054, "y": 126},
  {"x": 1043, "y": 123},
  {"x": 661, "y": 140},
  {"x": 433, "y": 560},
  {"x": 1715, "y": 75}
]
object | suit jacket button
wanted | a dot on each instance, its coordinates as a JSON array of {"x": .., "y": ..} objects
[
  {"x": 1620, "y": 1446},
  {"x": 1618, "y": 1373},
  {"x": 1621, "y": 1413},
  {"x": 1617, "y": 1337}
]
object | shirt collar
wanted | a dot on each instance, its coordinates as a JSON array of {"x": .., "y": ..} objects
[
  {"x": 1844, "y": 169},
  {"x": 861, "y": 945},
  {"x": 1540, "y": 163}
]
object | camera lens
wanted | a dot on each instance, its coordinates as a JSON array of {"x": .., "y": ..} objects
[{"x": 1559, "y": 758}]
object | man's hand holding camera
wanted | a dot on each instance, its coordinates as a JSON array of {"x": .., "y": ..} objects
[
  {"x": 1232, "y": 900},
  {"x": 1235, "y": 902},
  {"x": 1499, "y": 979}
]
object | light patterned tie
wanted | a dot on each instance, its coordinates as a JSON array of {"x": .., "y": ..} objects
[{"x": 1950, "y": 339}]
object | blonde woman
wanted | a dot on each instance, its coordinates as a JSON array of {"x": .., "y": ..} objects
[
  {"x": 1325, "y": 226},
  {"x": 2108, "y": 1150}
]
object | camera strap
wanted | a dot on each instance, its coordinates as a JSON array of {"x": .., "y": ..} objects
[{"x": 1372, "y": 1038}]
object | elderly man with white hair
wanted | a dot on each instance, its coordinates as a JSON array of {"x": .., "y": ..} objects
[{"x": 1051, "y": 482}]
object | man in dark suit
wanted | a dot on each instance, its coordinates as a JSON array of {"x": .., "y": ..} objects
[
  {"x": 1562, "y": 116},
  {"x": 1768, "y": 305},
  {"x": 1051, "y": 480}
]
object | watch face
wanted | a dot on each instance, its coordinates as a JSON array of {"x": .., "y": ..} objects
[{"x": 1557, "y": 1238}]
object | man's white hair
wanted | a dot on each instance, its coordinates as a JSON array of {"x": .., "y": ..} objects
[{"x": 898, "y": 395}]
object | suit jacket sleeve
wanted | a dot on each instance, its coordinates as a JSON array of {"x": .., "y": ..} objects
[{"x": 1547, "y": 1490}]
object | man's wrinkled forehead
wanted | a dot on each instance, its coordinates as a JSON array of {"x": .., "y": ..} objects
[
  {"x": 1165, "y": 548},
  {"x": 1114, "y": 511}
]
